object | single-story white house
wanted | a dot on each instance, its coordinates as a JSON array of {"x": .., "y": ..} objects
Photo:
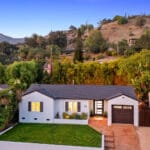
[{"x": 46, "y": 103}]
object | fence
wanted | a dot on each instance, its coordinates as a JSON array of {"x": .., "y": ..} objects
[{"x": 144, "y": 117}]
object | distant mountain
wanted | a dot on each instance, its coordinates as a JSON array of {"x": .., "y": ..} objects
[{"x": 4, "y": 38}]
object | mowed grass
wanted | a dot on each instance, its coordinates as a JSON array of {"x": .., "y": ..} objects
[{"x": 77, "y": 135}]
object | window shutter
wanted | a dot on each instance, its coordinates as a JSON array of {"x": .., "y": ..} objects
[
  {"x": 66, "y": 106},
  {"x": 41, "y": 106},
  {"x": 29, "y": 106},
  {"x": 79, "y": 107}
]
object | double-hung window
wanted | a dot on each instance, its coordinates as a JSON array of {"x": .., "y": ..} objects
[
  {"x": 35, "y": 106},
  {"x": 72, "y": 106}
]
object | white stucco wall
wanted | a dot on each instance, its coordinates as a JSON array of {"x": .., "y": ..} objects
[
  {"x": 48, "y": 109},
  {"x": 105, "y": 105},
  {"x": 91, "y": 105},
  {"x": 59, "y": 106},
  {"x": 71, "y": 121},
  {"x": 123, "y": 100}
]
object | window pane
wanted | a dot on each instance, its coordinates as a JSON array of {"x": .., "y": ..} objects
[
  {"x": 127, "y": 107},
  {"x": 74, "y": 106},
  {"x": 33, "y": 106},
  {"x": 117, "y": 107},
  {"x": 38, "y": 106},
  {"x": 70, "y": 106}
]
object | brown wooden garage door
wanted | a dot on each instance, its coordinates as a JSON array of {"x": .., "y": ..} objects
[{"x": 122, "y": 114}]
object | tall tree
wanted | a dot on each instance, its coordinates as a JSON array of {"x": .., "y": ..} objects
[
  {"x": 78, "y": 55},
  {"x": 95, "y": 43},
  {"x": 57, "y": 38}
]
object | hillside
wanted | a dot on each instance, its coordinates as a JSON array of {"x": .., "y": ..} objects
[
  {"x": 114, "y": 32},
  {"x": 4, "y": 38}
]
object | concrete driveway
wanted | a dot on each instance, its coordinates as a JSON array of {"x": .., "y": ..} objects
[
  {"x": 126, "y": 137},
  {"x": 32, "y": 146},
  {"x": 144, "y": 137}
]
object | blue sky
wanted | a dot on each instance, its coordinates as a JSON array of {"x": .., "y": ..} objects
[{"x": 20, "y": 18}]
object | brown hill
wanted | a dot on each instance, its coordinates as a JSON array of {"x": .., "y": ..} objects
[{"x": 113, "y": 32}]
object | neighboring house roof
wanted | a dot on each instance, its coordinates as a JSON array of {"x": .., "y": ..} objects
[
  {"x": 82, "y": 91},
  {"x": 4, "y": 86}
]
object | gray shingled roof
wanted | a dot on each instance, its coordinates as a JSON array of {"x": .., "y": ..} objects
[
  {"x": 4, "y": 86},
  {"x": 82, "y": 91}
]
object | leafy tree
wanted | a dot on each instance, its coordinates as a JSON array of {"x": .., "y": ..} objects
[
  {"x": 41, "y": 41},
  {"x": 8, "y": 106},
  {"x": 95, "y": 42},
  {"x": 123, "y": 20},
  {"x": 57, "y": 38},
  {"x": 122, "y": 47},
  {"x": 73, "y": 28},
  {"x": 2, "y": 73},
  {"x": 136, "y": 70},
  {"x": 116, "y": 18},
  {"x": 32, "y": 42},
  {"x": 21, "y": 74},
  {"x": 56, "y": 51},
  {"x": 29, "y": 53},
  {"x": 8, "y": 53},
  {"x": 143, "y": 42},
  {"x": 120, "y": 19},
  {"x": 78, "y": 55}
]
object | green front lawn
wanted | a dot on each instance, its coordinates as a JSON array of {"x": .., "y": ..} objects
[{"x": 78, "y": 135}]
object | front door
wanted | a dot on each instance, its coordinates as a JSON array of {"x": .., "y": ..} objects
[{"x": 98, "y": 104}]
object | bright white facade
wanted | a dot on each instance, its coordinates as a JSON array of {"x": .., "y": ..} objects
[
  {"x": 47, "y": 116},
  {"x": 126, "y": 101},
  {"x": 50, "y": 108},
  {"x": 53, "y": 107}
]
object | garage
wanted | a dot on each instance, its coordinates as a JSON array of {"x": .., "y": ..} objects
[{"x": 122, "y": 114}]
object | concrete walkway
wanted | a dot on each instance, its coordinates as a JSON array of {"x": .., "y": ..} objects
[{"x": 32, "y": 146}]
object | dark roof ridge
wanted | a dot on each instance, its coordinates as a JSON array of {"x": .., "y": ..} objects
[{"x": 71, "y": 91}]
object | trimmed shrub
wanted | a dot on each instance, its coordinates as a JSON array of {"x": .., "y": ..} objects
[
  {"x": 105, "y": 114},
  {"x": 84, "y": 116},
  {"x": 57, "y": 115},
  {"x": 65, "y": 115}
]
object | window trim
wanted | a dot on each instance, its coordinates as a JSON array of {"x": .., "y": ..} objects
[
  {"x": 72, "y": 111},
  {"x": 40, "y": 107}
]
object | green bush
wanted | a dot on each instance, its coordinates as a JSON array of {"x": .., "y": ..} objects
[
  {"x": 122, "y": 20},
  {"x": 100, "y": 56},
  {"x": 105, "y": 114},
  {"x": 84, "y": 116},
  {"x": 73, "y": 116},
  {"x": 65, "y": 115},
  {"x": 111, "y": 53}
]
